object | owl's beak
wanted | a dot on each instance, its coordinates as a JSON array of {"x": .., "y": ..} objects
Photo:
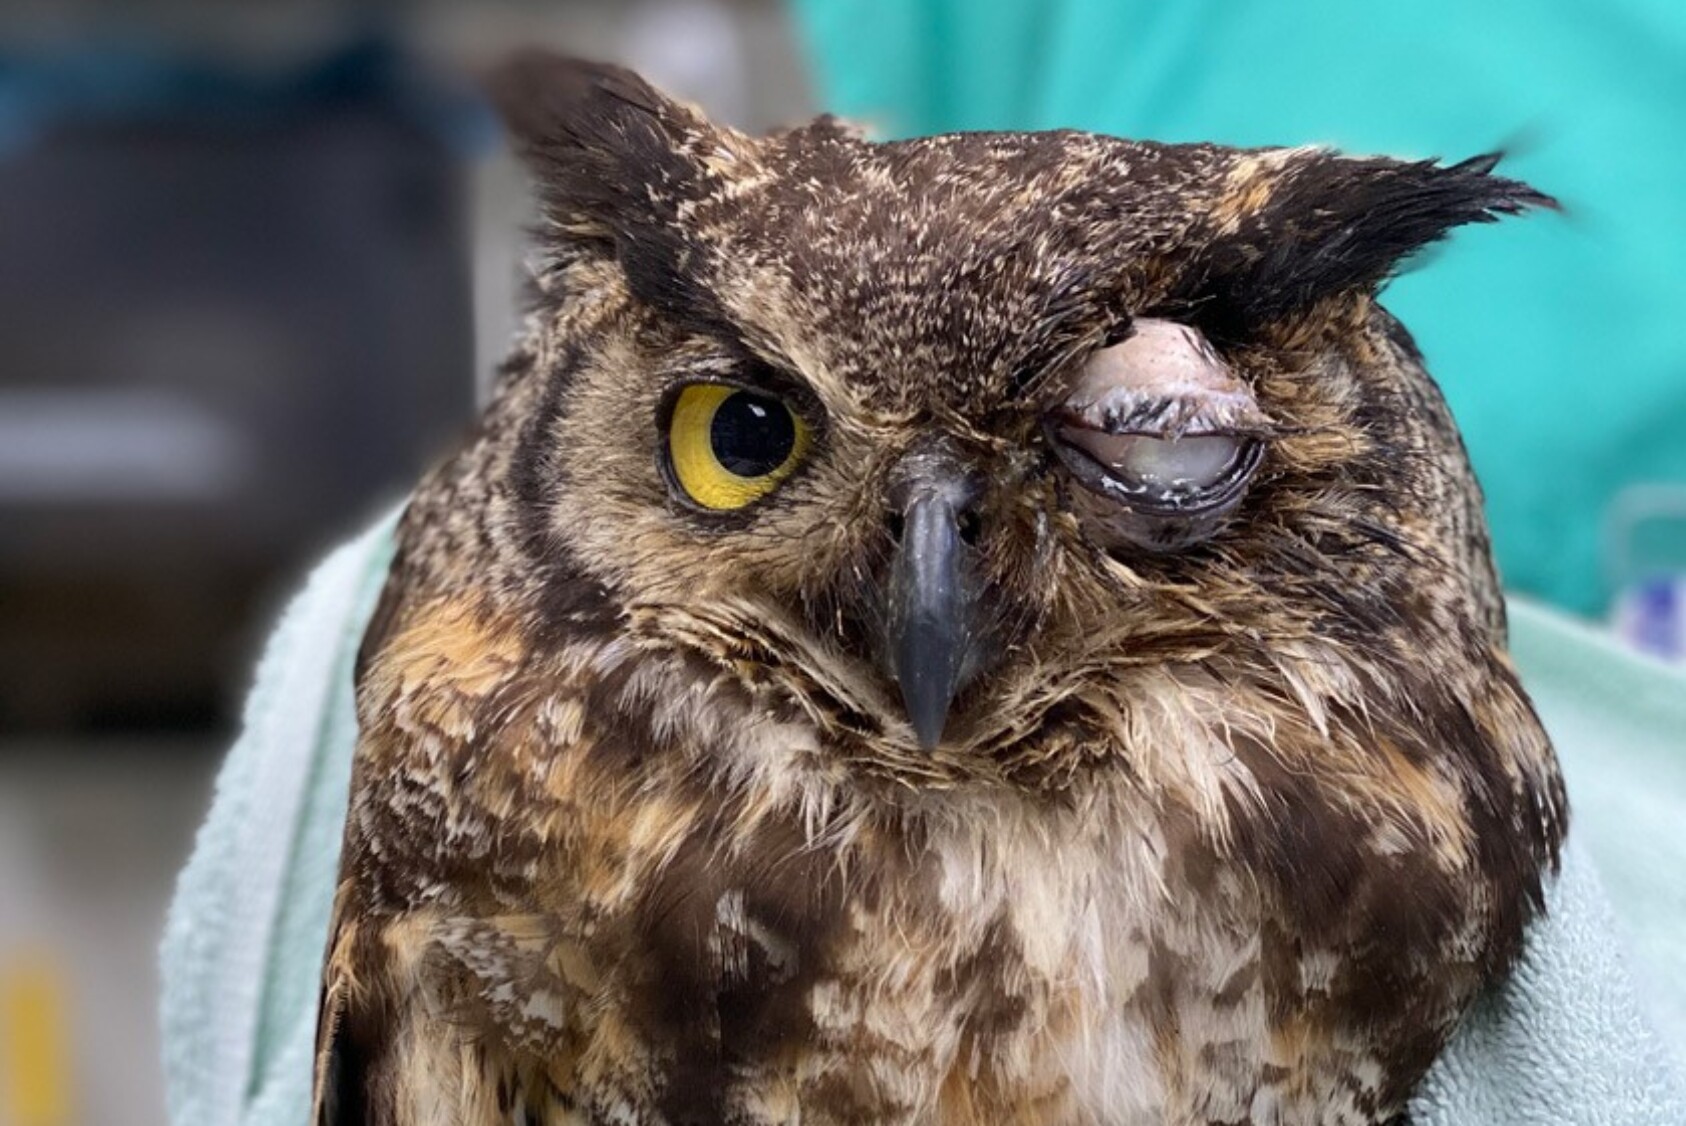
[{"x": 931, "y": 597}]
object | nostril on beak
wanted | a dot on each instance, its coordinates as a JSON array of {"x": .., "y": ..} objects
[
  {"x": 967, "y": 522},
  {"x": 970, "y": 525}
]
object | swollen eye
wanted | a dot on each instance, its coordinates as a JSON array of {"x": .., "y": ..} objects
[
  {"x": 728, "y": 447},
  {"x": 1162, "y": 427},
  {"x": 1170, "y": 465}
]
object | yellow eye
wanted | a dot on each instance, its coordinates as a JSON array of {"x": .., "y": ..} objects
[{"x": 730, "y": 447}]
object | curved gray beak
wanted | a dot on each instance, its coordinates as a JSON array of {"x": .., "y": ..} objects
[{"x": 930, "y": 615}]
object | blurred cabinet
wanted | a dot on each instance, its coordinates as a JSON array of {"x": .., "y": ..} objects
[{"x": 235, "y": 319}]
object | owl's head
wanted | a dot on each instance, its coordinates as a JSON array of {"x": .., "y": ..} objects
[{"x": 943, "y": 443}]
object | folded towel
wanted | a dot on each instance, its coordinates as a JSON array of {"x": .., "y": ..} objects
[
  {"x": 244, "y": 940},
  {"x": 1567, "y": 1041}
]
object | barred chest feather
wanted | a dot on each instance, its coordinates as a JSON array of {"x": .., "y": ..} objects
[{"x": 573, "y": 922}]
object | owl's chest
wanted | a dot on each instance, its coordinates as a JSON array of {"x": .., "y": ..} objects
[
  {"x": 962, "y": 963},
  {"x": 1009, "y": 972},
  {"x": 1015, "y": 975}
]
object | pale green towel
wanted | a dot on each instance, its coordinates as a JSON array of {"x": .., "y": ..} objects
[{"x": 1567, "y": 1042}]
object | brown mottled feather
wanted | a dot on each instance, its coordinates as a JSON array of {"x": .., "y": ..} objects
[{"x": 638, "y": 831}]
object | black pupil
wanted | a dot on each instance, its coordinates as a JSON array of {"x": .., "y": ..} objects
[{"x": 752, "y": 435}]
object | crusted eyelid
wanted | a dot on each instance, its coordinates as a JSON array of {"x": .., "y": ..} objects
[
  {"x": 1165, "y": 380},
  {"x": 1159, "y": 416}
]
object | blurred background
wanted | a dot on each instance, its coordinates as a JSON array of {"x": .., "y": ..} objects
[{"x": 257, "y": 258}]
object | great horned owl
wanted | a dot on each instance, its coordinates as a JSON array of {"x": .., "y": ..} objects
[{"x": 979, "y": 629}]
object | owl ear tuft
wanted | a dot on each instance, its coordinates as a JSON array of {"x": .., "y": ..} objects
[
  {"x": 1329, "y": 224},
  {"x": 611, "y": 153},
  {"x": 615, "y": 162}
]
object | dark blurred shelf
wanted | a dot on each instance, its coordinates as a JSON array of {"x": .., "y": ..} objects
[{"x": 236, "y": 315}]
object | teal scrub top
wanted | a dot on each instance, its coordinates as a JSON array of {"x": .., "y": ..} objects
[{"x": 1560, "y": 340}]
